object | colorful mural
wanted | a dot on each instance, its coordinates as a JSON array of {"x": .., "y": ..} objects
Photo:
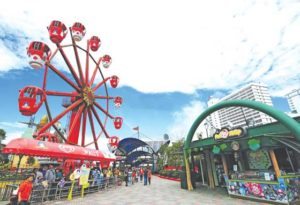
[
  {"x": 286, "y": 190},
  {"x": 274, "y": 192}
]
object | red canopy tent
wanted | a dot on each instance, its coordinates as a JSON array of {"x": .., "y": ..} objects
[{"x": 31, "y": 147}]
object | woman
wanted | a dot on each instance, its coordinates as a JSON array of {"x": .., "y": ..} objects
[
  {"x": 149, "y": 176},
  {"x": 24, "y": 191}
]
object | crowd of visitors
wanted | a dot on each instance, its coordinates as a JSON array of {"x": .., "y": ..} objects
[
  {"x": 133, "y": 175},
  {"x": 50, "y": 178}
]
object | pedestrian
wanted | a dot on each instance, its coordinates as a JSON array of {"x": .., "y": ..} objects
[
  {"x": 108, "y": 176},
  {"x": 145, "y": 177},
  {"x": 149, "y": 176},
  {"x": 126, "y": 177},
  {"x": 141, "y": 174},
  {"x": 129, "y": 176},
  {"x": 133, "y": 176},
  {"x": 58, "y": 174},
  {"x": 50, "y": 177},
  {"x": 38, "y": 176},
  {"x": 24, "y": 191}
]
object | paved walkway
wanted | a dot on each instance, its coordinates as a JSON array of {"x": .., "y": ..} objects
[{"x": 161, "y": 192}]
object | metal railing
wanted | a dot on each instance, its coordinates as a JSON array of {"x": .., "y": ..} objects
[{"x": 59, "y": 191}]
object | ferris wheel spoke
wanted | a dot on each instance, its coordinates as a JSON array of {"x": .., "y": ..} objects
[
  {"x": 64, "y": 94},
  {"x": 45, "y": 77},
  {"x": 60, "y": 74},
  {"x": 93, "y": 128},
  {"x": 87, "y": 64},
  {"x": 95, "y": 71},
  {"x": 99, "y": 121},
  {"x": 103, "y": 97},
  {"x": 103, "y": 110},
  {"x": 68, "y": 109},
  {"x": 83, "y": 127},
  {"x": 69, "y": 65},
  {"x": 76, "y": 118},
  {"x": 50, "y": 119},
  {"x": 101, "y": 83},
  {"x": 77, "y": 59}
]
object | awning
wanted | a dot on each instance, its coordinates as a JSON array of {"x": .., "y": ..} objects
[
  {"x": 31, "y": 147},
  {"x": 288, "y": 142},
  {"x": 129, "y": 144},
  {"x": 134, "y": 155}
]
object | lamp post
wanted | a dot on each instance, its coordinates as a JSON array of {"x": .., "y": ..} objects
[{"x": 206, "y": 127}]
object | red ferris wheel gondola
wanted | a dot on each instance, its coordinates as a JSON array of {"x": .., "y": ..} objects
[
  {"x": 113, "y": 143},
  {"x": 30, "y": 100},
  {"x": 118, "y": 121},
  {"x": 106, "y": 61},
  {"x": 57, "y": 31},
  {"x": 78, "y": 31},
  {"x": 118, "y": 101},
  {"x": 38, "y": 53},
  {"x": 114, "y": 81},
  {"x": 95, "y": 43}
]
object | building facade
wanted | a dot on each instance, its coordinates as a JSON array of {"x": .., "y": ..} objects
[
  {"x": 294, "y": 100},
  {"x": 214, "y": 118},
  {"x": 240, "y": 116}
]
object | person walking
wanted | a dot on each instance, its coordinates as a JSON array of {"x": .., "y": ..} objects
[
  {"x": 24, "y": 191},
  {"x": 50, "y": 177},
  {"x": 145, "y": 177},
  {"x": 126, "y": 177},
  {"x": 149, "y": 176},
  {"x": 141, "y": 174},
  {"x": 133, "y": 176}
]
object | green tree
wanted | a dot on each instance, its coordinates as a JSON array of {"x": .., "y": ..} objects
[
  {"x": 2, "y": 134},
  {"x": 172, "y": 152}
]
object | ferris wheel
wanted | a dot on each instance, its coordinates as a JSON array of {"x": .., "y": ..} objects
[{"x": 86, "y": 105}]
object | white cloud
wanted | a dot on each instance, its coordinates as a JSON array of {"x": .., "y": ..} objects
[
  {"x": 184, "y": 119},
  {"x": 12, "y": 135},
  {"x": 9, "y": 125},
  {"x": 163, "y": 46}
]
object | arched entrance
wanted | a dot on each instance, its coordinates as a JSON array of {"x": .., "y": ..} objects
[{"x": 281, "y": 117}]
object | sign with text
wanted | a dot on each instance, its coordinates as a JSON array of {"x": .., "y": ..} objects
[{"x": 226, "y": 133}]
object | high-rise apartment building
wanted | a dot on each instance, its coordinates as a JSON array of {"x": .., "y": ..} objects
[
  {"x": 241, "y": 116},
  {"x": 214, "y": 118},
  {"x": 294, "y": 100}
]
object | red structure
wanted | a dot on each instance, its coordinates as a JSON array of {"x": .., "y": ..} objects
[
  {"x": 87, "y": 106},
  {"x": 38, "y": 53},
  {"x": 94, "y": 43},
  {"x": 78, "y": 31},
  {"x": 118, "y": 101},
  {"x": 106, "y": 61},
  {"x": 113, "y": 142},
  {"x": 31, "y": 99},
  {"x": 57, "y": 31}
]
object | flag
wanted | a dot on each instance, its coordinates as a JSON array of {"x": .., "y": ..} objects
[{"x": 136, "y": 128}]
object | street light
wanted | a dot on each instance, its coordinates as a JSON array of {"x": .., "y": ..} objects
[{"x": 206, "y": 127}]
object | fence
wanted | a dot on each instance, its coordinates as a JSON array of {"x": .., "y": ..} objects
[{"x": 56, "y": 191}]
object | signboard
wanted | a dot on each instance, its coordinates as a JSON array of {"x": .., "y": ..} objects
[{"x": 226, "y": 133}]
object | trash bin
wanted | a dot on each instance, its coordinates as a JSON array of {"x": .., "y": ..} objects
[{"x": 183, "y": 180}]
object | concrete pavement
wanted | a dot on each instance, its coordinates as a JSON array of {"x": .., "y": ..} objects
[{"x": 160, "y": 192}]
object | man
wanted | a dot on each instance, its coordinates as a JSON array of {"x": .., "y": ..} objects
[
  {"x": 50, "y": 177},
  {"x": 24, "y": 191},
  {"x": 149, "y": 176},
  {"x": 145, "y": 176},
  {"x": 141, "y": 174}
]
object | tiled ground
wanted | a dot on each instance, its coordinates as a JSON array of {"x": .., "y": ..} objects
[{"x": 161, "y": 192}]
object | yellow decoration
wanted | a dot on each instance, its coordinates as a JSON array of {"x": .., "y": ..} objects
[{"x": 23, "y": 163}]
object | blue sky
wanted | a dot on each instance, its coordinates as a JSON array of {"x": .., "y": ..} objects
[{"x": 170, "y": 56}]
